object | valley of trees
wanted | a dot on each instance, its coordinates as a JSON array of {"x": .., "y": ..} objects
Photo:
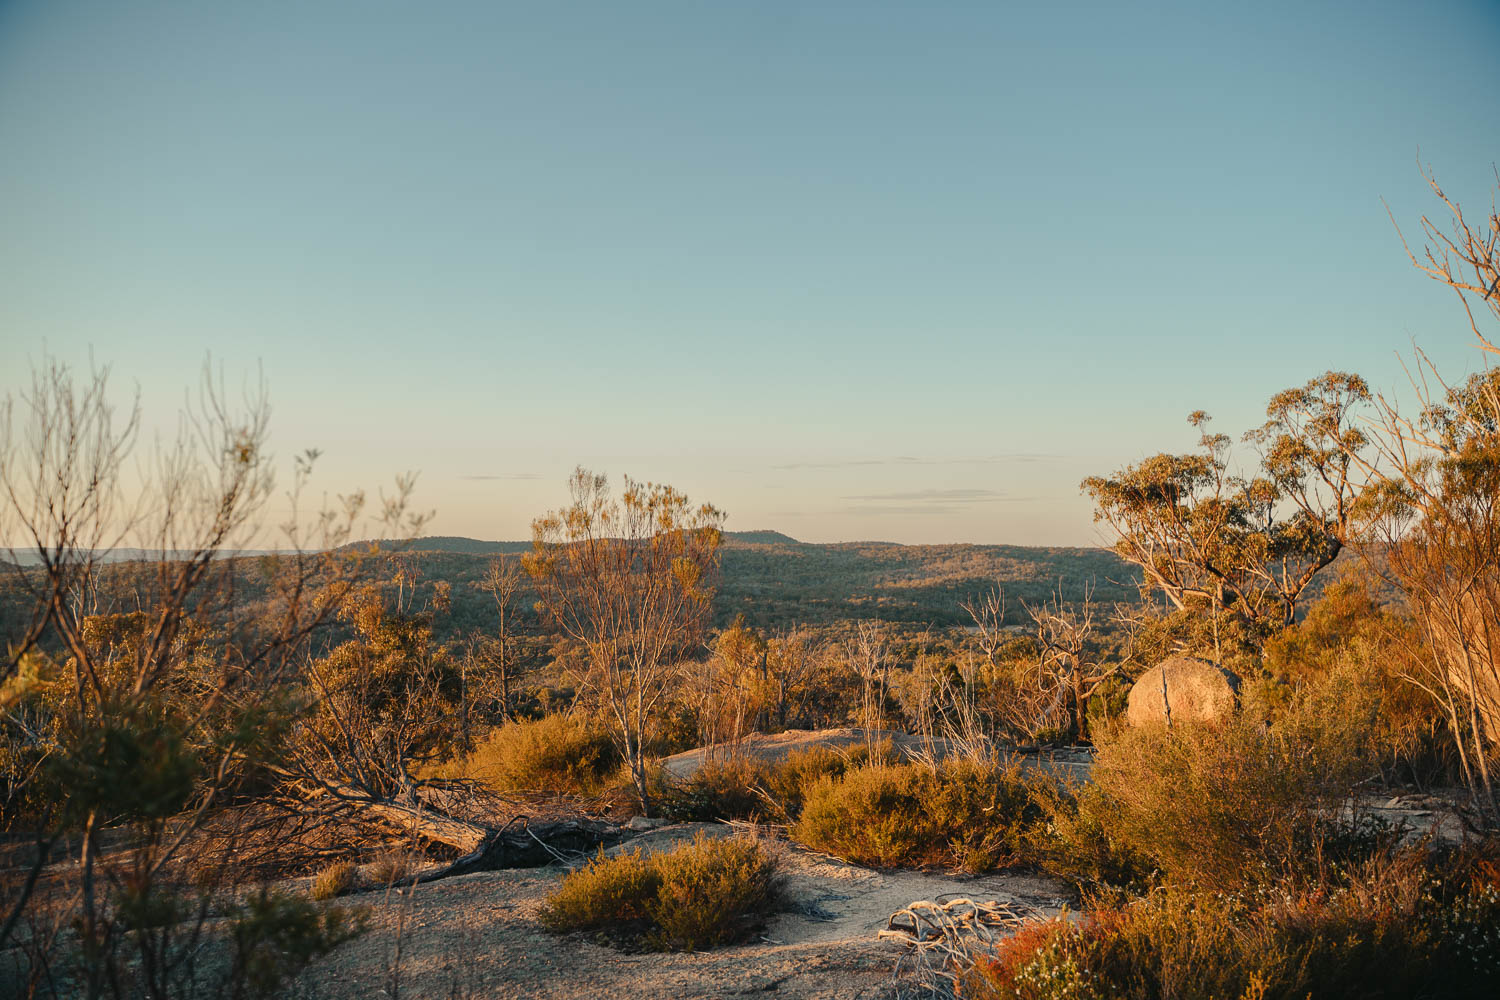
[{"x": 185, "y": 736}]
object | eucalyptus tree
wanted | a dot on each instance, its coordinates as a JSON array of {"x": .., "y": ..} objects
[{"x": 631, "y": 580}]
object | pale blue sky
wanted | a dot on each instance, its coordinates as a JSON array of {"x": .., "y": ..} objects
[{"x": 848, "y": 270}]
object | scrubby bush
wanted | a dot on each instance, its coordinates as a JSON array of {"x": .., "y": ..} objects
[
  {"x": 712, "y": 892},
  {"x": 699, "y": 895},
  {"x": 1074, "y": 839},
  {"x": 718, "y": 790},
  {"x": 556, "y": 753},
  {"x": 760, "y": 790},
  {"x": 1219, "y": 805},
  {"x": 389, "y": 867},
  {"x": 966, "y": 814},
  {"x": 1396, "y": 928},
  {"x": 335, "y": 880},
  {"x": 607, "y": 891}
]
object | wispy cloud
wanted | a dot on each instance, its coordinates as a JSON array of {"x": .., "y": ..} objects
[
  {"x": 503, "y": 475},
  {"x": 935, "y": 496},
  {"x": 924, "y": 502},
  {"x": 898, "y": 460}
]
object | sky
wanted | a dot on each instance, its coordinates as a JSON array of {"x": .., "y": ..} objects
[{"x": 847, "y": 270}]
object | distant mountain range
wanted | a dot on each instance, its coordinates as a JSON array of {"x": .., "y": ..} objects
[{"x": 776, "y": 581}]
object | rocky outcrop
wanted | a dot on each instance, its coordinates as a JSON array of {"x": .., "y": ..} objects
[{"x": 1182, "y": 689}]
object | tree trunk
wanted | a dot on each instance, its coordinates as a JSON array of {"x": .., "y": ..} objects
[{"x": 426, "y": 823}]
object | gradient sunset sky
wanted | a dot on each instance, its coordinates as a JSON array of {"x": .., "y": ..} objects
[{"x": 848, "y": 270}]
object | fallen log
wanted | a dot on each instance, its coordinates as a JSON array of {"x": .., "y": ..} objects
[{"x": 521, "y": 844}]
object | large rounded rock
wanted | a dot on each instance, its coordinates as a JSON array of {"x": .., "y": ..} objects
[{"x": 1194, "y": 689}]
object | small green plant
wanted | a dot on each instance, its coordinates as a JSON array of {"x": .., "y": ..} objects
[
  {"x": 702, "y": 894},
  {"x": 972, "y": 815},
  {"x": 335, "y": 880}
]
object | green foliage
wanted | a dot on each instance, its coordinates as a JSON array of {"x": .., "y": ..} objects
[
  {"x": 754, "y": 790},
  {"x": 709, "y": 892},
  {"x": 275, "y": 936},
  {"x": 965, "y": 814},
  {"x": 1347, "y": 663},
  {"x": 1075, "y": 840},
  {"x": 1405, "y": 927},
  {"x": 606, "y": 891},
  {"x": 556, "y": 753},
  {"x": 712, "y": 892},
  {"x": 1220, "y": 805},
  {"x": 719, "y": 790}
]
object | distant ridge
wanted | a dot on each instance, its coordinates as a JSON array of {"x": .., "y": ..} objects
[
  {"x": 761, "y": 538},
  {"x": 477, "y": 547}
]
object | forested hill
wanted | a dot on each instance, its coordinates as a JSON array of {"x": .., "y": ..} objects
[{"x": 776, "y": 581}]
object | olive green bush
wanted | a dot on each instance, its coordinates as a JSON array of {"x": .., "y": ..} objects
[
  {"x": 701, "y": 894},
  {"x": 1220, "y": 805},
  {"x": 965, "y": 814}
]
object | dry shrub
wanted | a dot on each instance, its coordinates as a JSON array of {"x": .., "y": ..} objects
[
  {"x": 335, "y": 880},
  {"x": 556, "y": 753},
  {"x": 389, "y": 867},
  {"x": 718, "y": 790},
  {"x": 1353, "y": 655},
  {"x": 713, "y": 892},
  {"x": 966, "y": 814},
  {"x": 605, "y": 892},
  {"x": 1222, "y": 804},
  {"x": 1075, "y": 840},
  {"x": 761, "y": 791},
  {"x": 699, "y": 895},
  {"x": 1397, "y": 927}
]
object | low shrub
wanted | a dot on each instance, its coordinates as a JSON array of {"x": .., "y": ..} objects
[
  {"x": 718, "y": 790},
  {"x": 713, "y": 892},
  {"x": 335, "y": 880},
  {"x": 1399, "y": 928},
  {"x": 760, "y": 791},
  {"x": 556, "y": 753},
  {"x": 607, "y": 891},
  {"x": 1226, "y": 804},
  {"x": 1075, "y": 841},
  {"x": 699, "y": 895},
  {"x": 964, "y": 814}
]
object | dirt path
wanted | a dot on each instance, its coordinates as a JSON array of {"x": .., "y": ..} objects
[{"x": 478, "y": 936}]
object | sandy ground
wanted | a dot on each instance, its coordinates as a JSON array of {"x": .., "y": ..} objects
[{"x": 478, "y": 936}]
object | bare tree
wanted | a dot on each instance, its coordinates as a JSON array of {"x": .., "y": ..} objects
[
  {"x": 868, "y": 653},
  {"x": 1068, "y": 658},
  {"x": 148, "y": 701},
  {"x": 631, "y": 580},
  {"x": 1438, "y": 506},
  {"x": 502, "y": 581}
]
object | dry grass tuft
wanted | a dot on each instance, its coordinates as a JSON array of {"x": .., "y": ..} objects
[{"x": 335, "y": 880}]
